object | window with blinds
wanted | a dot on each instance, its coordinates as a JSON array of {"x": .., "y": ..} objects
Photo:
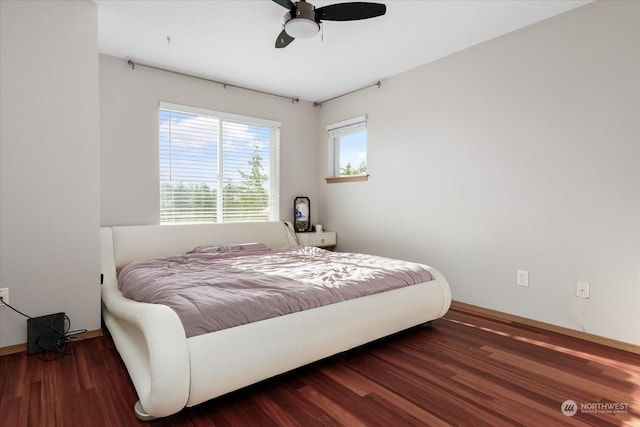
[
  {"x": 348, "y": 147},
  {"x": 217, "y": 167}
]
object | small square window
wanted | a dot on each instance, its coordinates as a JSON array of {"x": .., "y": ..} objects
[{"x": 348, "y": 148}]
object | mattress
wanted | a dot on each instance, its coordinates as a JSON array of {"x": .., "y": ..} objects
[{"x": 218, "y": 287}]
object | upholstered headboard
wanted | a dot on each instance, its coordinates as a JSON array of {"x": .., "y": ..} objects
[{"x": 131, "y": 243}]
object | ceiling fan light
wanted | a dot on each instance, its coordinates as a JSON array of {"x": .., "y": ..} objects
[{"x": 301, "y": 28}]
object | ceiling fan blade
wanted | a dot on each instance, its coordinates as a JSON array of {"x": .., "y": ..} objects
[
  {"x": 287, "y": 4},
  {"x": 283, "y": 40},
  {"x": 350, "y": 11}
]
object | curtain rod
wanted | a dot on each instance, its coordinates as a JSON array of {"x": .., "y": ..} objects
[
  {"x": 133, "y": 64},
  {"x": 319, "y": 103}
]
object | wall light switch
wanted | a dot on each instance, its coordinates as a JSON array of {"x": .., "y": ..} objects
[{"x": 523, "y": 278}]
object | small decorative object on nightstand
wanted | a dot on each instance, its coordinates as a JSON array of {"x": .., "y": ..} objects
[
  {"x": 302, "y": 214},
  {"x": 326, "y": 239}
]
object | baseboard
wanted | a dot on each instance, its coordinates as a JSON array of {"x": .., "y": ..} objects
[
  {"x": 620, "y": 345},
  {"x": 19, "y": 348},
  {"x": 462, "y": 306}
]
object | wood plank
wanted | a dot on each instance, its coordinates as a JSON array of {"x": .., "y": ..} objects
[{"x": 584, "y": 336}]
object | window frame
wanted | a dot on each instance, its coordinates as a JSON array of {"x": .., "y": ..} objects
[
  {"x": 222, "y": 117},
  {"x": 335, "y": 132}
]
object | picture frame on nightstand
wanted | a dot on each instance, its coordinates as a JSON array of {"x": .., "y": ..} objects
[{"x": 302, "y": 214}]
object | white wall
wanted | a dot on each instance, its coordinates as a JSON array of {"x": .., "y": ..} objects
[
  {"x": 49, "y": 164},
  {"x": 519, "y": 153},
  {"x": 129, "y": 101}
]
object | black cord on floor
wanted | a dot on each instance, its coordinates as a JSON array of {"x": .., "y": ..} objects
[{"x": 61, "y": 339}]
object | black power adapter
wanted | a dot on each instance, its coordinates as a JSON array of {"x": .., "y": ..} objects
[
  {"x": 45, "y": 333},
  {"x": 48, "y": 333}
]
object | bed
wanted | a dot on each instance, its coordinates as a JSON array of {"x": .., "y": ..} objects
[{"x": 171, "y": 371}]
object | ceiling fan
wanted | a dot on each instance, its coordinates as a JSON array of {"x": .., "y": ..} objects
[{"x": 303, "y": 19}]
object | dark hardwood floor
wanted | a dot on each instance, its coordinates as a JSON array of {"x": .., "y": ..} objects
[{"x": 466, "y": 369}]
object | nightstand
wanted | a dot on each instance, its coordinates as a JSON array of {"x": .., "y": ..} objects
[{"x": 326, "y": 239}]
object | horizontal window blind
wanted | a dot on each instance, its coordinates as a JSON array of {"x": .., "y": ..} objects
[{"x": 217, "y": 167}]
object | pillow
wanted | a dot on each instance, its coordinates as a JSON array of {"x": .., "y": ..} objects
[{"x": 230, "y": 247}]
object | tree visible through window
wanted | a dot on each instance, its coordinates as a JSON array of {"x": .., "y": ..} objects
[
  {"x": 353, "y": 153},
  {"x": 216, "y": 167}
]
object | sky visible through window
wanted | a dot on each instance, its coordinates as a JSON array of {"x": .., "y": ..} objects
[
  {"x": 353, "y": 149},
  {"x": 189, "y": 148}
]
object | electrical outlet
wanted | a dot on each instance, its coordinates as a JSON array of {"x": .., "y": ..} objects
[
  {"x": 523, "y": 278},
  {"x": 582, "y": 290},
  {"x": 4, "y": 293}
]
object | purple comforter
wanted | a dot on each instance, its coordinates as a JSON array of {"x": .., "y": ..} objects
[{"x": 229, "y": 287}]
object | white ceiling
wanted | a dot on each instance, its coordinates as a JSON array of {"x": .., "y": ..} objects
[{"x": 233, "y": 41}]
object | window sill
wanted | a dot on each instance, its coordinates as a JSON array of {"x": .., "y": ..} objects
[{"x": 346, "y": 178}]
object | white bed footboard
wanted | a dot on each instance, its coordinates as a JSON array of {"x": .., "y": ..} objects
[{"x": 234, "y": 358}]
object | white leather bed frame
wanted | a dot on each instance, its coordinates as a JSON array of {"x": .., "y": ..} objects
[{"x": 170, "y": 371}]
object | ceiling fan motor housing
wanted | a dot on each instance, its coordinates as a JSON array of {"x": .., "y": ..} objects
[{"x": 303, "y": 22}]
